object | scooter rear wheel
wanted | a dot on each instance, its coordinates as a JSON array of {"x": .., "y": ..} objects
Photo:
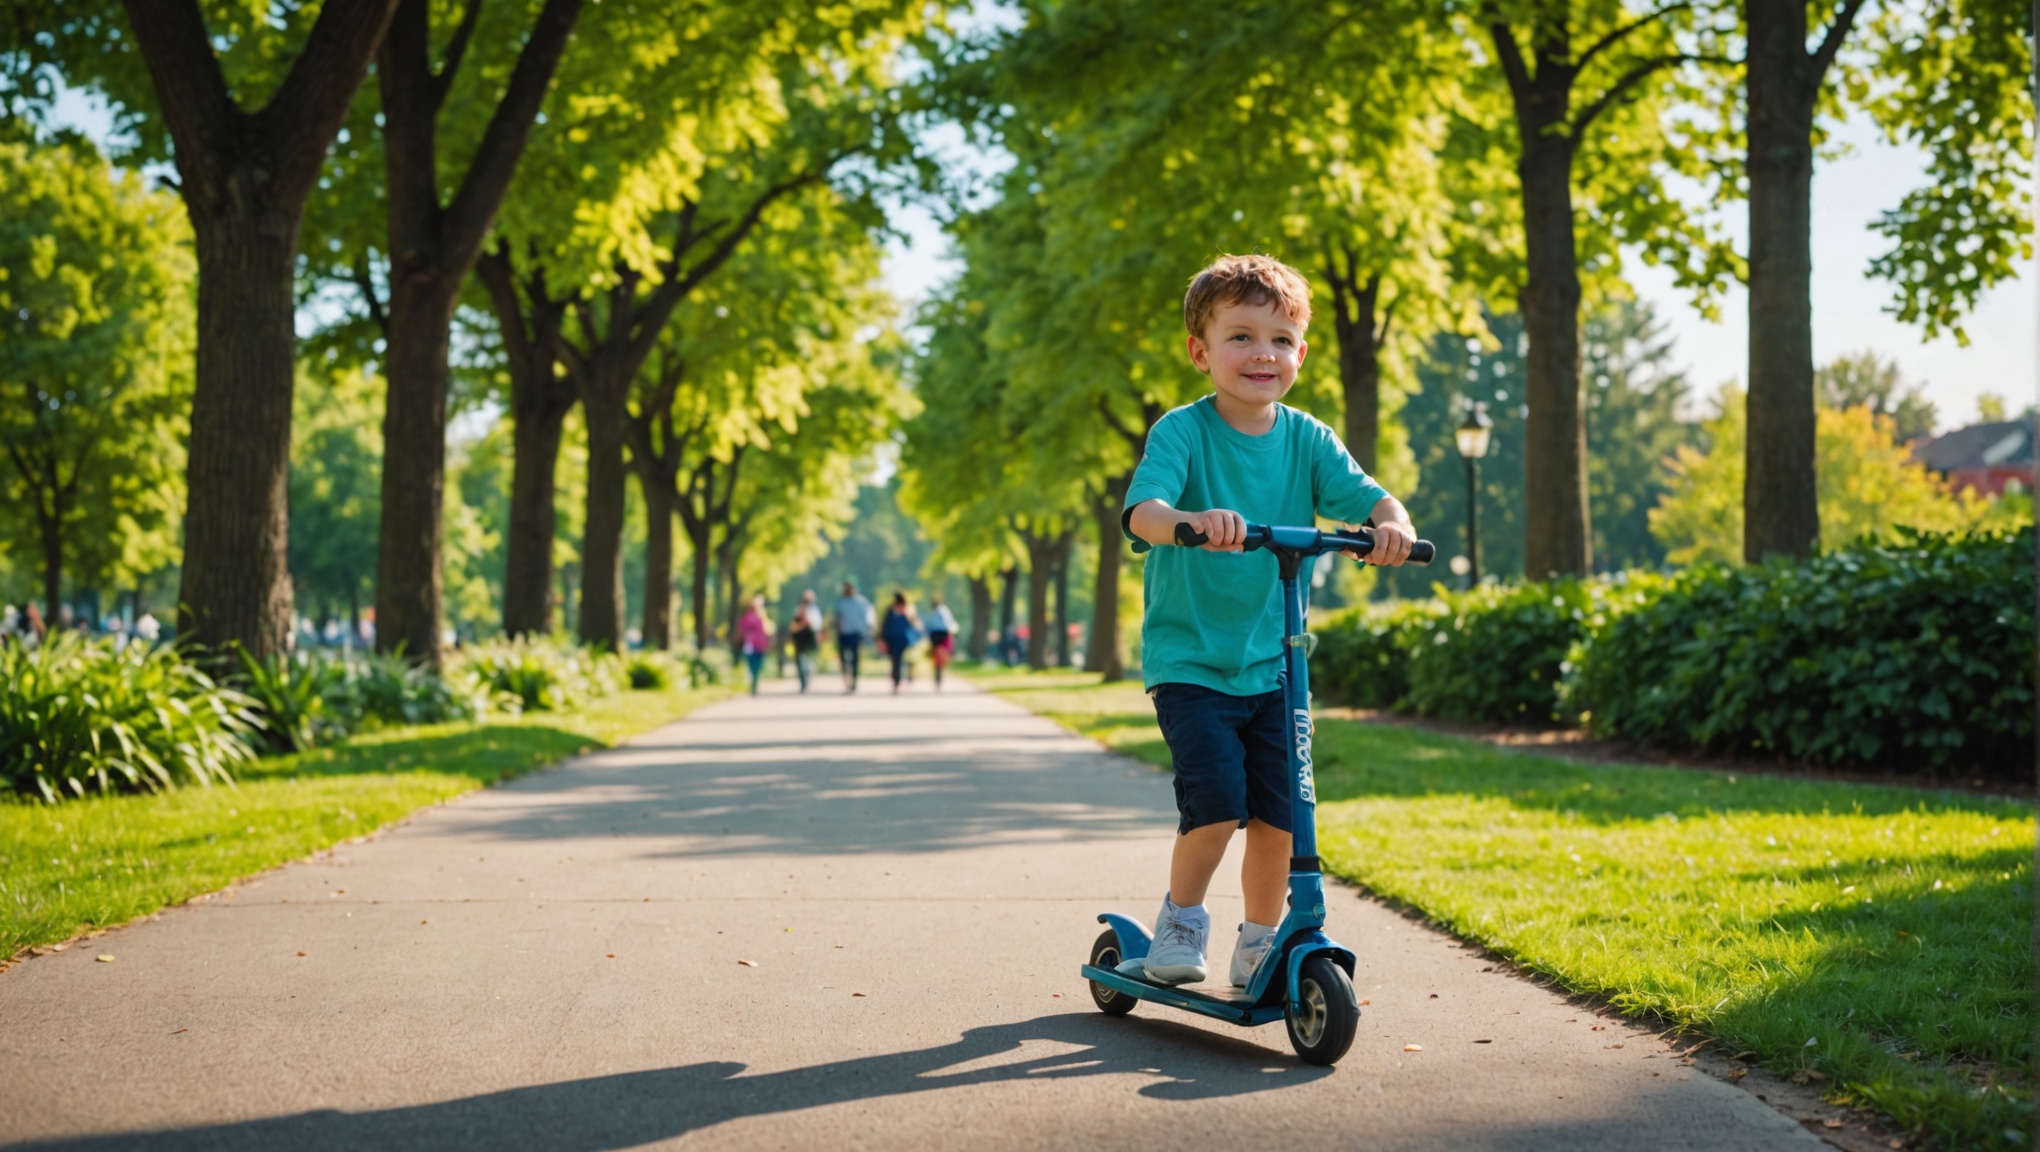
[
  {"x": 1325, "y": 1013},
  {"x": 1105, "y": 954}
]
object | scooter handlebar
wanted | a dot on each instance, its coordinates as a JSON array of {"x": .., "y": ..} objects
[{"x": 1307, "y": 541}]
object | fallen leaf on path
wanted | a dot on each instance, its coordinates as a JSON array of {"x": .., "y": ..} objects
[
  {"x": 106, "y": 958},
  {"x": 298, "y": 954},
  {"x": 609, "y": 955},
  {"x": 1807, "y": 1076},
  {"x": 1735, "y": 1074},
  {"x": 1365, "y": 1001},
  {"x": 748, "y": 963},
  {"x": 857, "y": 993},
  {"x": 1831, "y": 1122},
  {"x": 1614, "y": 1045},
  {"x": 1483, "y": 1041},
  {"x": 1434, "y": 995},
  {"x": 180, "y": 1031},
  {"x": 1413, "y": 1047}
]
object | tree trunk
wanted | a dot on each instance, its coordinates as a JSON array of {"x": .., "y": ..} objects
[
  {"x": 1555, "y": 435},
  {"x": 1062, "y": 599},
  {"x": 1781, "y": 512},
  {"x": 1040, "y": 561},
  {"x": 235, "y": 586},
  {"x": 540, "y": 399},
  {"x": 602, "y": 600},
  {"x": 527, "y": 569},
  {"x": 1353, "y": 305},
  {"x": 1102, "y": 651},
  {"x": 699, "y": 554},
  {"x": 433, "y": 243},
  {"x": 1007, "y": 596},
  {"x": 658, "y": 607},
  {"x": 408, "y": 569},
  {"x": 51, "y": 530},
  {"x": 980, "y": 616},
  {"x": 727, "y": 556},
  {"x": 244, "y": 178}
]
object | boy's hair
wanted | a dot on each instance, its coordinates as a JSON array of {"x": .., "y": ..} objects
[{"x": 1245, "y": 280}]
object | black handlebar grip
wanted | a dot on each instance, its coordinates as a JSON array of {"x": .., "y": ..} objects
[
  {"x": 1189, "y": 537},
  {"x": 1423, "y": 552}
]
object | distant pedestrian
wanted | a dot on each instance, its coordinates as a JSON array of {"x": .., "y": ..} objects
[
  {"x": 941, "y": 636},
  {"x": 805, "y": 630},
  {"x": 853, "y": 625},
  {"x": 754, "y": 631},
  {"x": 902, "y": 629}
]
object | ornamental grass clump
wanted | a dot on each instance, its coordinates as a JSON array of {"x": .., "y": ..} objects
[
  {"x": 1914, "y": 653},
  {"x": 79, "y": 716},
  {"x": 294, "y": 693}
]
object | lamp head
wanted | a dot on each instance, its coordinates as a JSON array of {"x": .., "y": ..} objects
[{"x": 1473, "y": 432}]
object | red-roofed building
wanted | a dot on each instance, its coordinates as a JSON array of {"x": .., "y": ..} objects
[{"x": 1982, "y": 457}]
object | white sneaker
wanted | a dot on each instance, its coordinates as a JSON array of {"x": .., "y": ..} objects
[
  {"x": 1252, "y": 947},
  {"x": 1177, "y": 954}
]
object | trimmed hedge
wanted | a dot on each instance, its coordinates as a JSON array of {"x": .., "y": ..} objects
[
  {"x": 1916, "y": 653},
  {"x": 1913, "y": 654}
]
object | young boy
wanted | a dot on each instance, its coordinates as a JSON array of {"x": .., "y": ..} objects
[{"x": 1211, "y": 642}]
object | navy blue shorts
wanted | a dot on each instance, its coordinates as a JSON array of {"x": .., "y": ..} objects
[{"x": 1231, "y": 755}]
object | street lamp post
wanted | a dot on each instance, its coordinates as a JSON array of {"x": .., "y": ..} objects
[{"x": 1472, "y": 435}]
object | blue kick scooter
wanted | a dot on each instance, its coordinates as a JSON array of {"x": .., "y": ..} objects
[{"x": 1305, "y": 978}]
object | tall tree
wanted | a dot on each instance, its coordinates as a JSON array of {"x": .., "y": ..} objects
[
  {"x": 95, "y": 313},
  {"x": 780, "y": 97},
  {"x": 1948, "y": 75},
  {"x": 251, "y": 100},
  {"x": 1582, "y": 79},
  {"x": 435, "y": 233},
  {"x": 335, "y": 495}
]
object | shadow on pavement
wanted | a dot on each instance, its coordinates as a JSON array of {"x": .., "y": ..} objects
[
  {"x": 632, "y": 1108},
  {"x": 707, "y": 800}
]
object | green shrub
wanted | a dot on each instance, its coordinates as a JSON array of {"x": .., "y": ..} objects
[
  {"x": 385, "y": 690},
  {"x": 542, "y": 675},
  {"x": 79, "y": 716},
  {"x": 1363, "y": 653},
  {"x": 647, "y": 671},
  {"x": 1497, "y": 652},
  {"x": 1915, "y": 653},
  {"x": 291, "y": 695}
]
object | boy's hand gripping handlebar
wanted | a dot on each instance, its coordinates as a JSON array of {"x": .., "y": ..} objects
[{"x": 1307, "y": 541}]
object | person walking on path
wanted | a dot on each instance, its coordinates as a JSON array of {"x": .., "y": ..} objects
[
  {"x": 853, "y": 624},
  {"x": 902, "y": 628},
  {"x": 805, "y": 630},
  {"x": 941, "y": 636},
  {"x": 754, "y": 631}
]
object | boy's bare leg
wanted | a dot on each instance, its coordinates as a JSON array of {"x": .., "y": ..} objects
[
  {"x": 1264, "y": 874},
  {"x": 1195, "y": 860}
]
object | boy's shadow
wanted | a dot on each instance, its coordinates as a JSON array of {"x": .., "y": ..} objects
[{"x": 634, "y": 1108}]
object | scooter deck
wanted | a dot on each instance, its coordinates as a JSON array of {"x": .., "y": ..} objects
[{"x": 1239, "y": 1009}]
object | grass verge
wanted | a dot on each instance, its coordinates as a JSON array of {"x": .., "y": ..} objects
[
  {"x": 102, "y": 861},
  {"x": 1871, "y": 937}
]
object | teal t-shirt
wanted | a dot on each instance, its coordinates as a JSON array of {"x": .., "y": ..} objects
[{"x": 1215, "y": 618}]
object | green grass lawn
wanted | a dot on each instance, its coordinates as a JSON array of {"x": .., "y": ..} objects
[
  {"x": 1871, "y": 935},
  {"x": 106, "y": 860}
]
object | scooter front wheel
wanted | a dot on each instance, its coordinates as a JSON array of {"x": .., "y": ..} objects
[
  {"x": 1325, "y": 1013},
  {"x": 1105, "y": 954}
]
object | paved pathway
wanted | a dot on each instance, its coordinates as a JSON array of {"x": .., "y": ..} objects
[{"x": 560, "y": 963}]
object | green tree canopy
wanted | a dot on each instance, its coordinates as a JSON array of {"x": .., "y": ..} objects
[{"x": 96, "y": 307}]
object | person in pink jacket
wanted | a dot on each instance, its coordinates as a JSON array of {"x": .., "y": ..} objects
[{"x": 754, "y": 632}]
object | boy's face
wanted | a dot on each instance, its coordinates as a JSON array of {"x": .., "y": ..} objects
[{"x": 1251, "y": 352}]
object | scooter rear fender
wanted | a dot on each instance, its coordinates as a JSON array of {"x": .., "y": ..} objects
[{"x": 1133, "y": 935}]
